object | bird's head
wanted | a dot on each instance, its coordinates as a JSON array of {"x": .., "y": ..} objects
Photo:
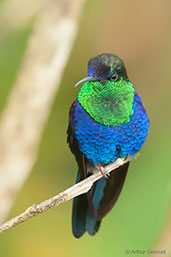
[
  {"x": 107, "y": 94},
  {"x": 105, "y": 67}
]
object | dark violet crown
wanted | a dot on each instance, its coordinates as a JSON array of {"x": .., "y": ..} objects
[{"x": 105, "y": 65}]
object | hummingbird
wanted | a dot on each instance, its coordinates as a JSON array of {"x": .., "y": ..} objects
[{"x": 106, "y": 121}]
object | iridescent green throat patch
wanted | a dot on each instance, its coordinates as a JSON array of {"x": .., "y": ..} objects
[{"x": 109, "y": 103}]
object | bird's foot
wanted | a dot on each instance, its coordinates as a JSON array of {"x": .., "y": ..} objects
[
  {"x": 128, "y": 156},
  {"x": 103, "y": 171}
]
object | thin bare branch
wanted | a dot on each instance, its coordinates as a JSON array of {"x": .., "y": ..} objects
[{"x": 78, "y": 189}]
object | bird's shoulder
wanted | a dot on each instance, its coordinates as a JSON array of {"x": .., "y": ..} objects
[{"x": 70, "y": 131}]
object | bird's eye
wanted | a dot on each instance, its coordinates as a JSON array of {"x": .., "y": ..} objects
[{"x": 114, "y": 77}]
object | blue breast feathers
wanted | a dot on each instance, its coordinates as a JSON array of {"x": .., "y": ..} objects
[{"x": 104, "y": 144}]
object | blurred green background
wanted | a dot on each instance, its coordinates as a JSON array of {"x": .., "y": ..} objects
[{"x": 138, "y": 32}]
